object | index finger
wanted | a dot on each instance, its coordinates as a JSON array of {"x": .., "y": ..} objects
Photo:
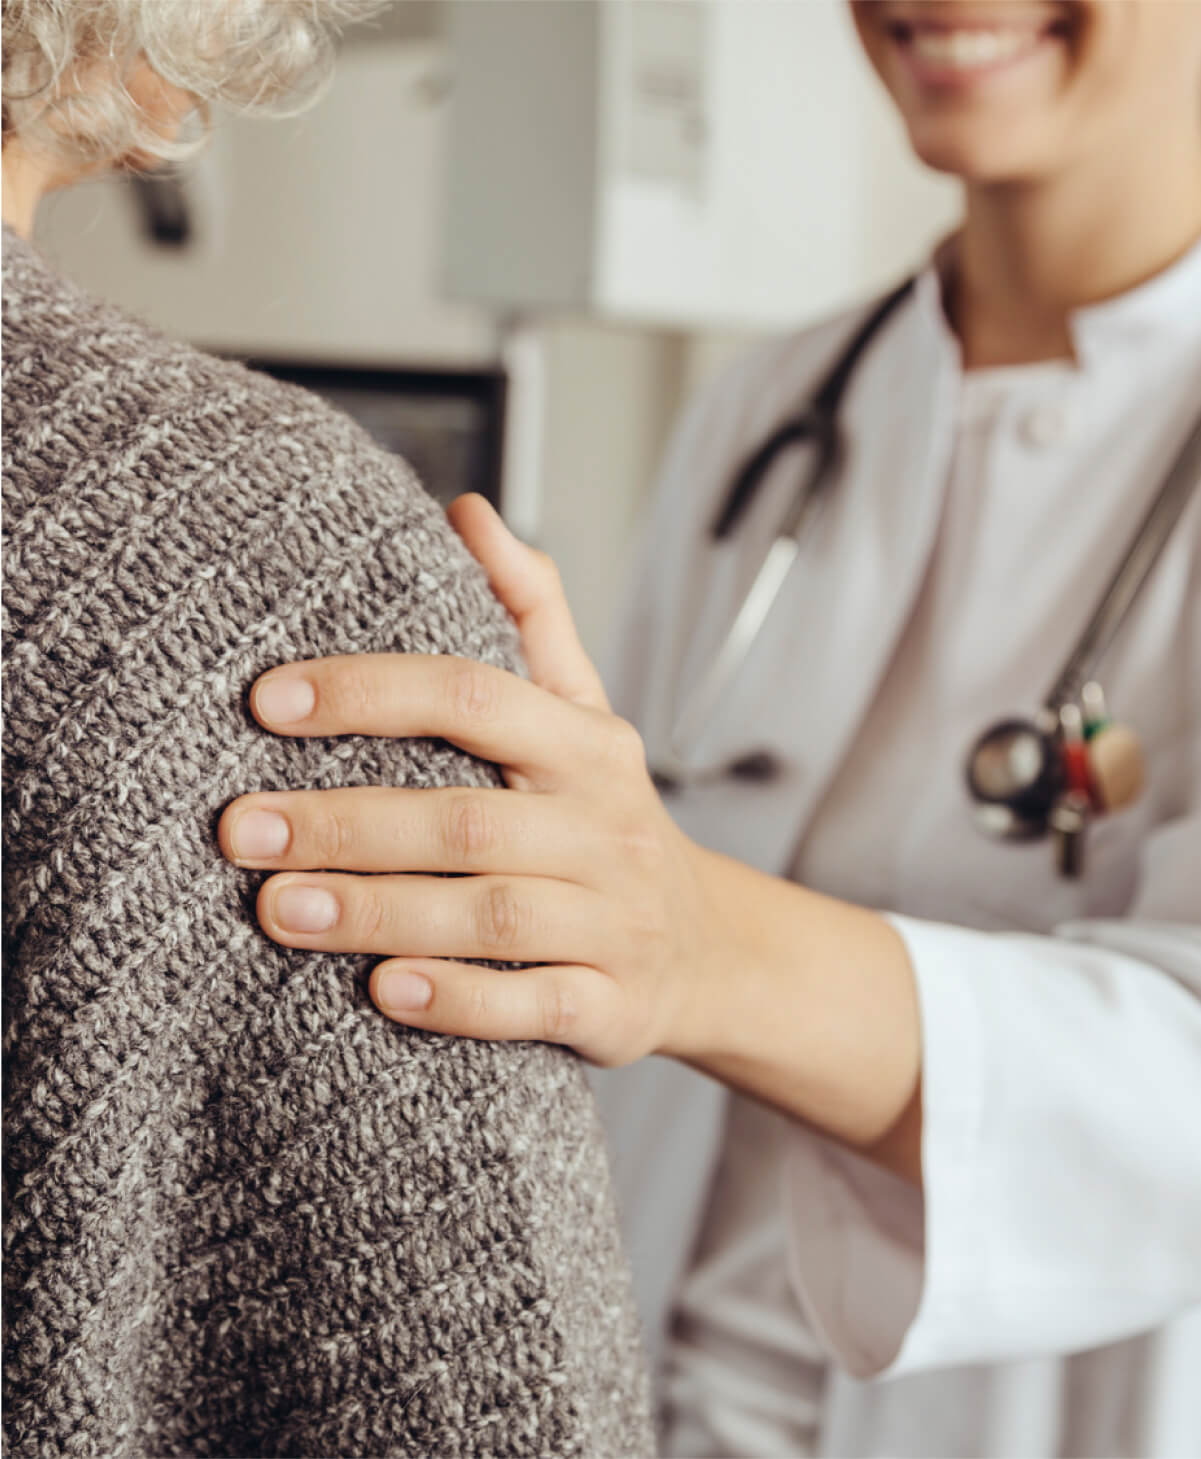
[
  {"x": 527, "y": 582},
  {"x": 484, "y": 710}
]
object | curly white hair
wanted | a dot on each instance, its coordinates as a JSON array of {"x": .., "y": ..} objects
[{"x": 65, "y": 65}]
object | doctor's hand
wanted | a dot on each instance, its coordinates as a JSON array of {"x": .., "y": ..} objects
[
  {"x": 644, "y": 941},
  {"x": 576, "y": 866}
]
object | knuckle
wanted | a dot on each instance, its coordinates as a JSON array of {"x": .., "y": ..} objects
[
  {"x": 472, "y": 692},
  {"x": 626, "y": 744},
  {"x": 479, "y": 1005},
  {"x": 646, "y": 932},
  {"x": 548, "y": 569},
  {"x": 654, "y": 939},
  {"x": 558, "y": 1011},
  {"x": 371, "y": 917},
  {"x": 640, "y": 846},
  {"x": 330, "y": 835},
  {"x": 501, "y": 918},
  {"x": 469, "y": 831}
]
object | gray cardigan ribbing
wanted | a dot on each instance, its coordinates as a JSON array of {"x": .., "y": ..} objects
[{"x": 244, "y": 1214}]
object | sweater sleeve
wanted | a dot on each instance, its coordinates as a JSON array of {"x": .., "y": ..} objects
[{"x": 245, "y": 1214}]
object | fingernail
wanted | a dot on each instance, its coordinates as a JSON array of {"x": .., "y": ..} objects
[
  {"x": 305, "y": 909},
  {"x": 284, "y": 700},
  {"x": 259, "y": 835},
  {"x": 400, "y": 991}
]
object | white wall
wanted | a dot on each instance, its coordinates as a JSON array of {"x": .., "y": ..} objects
[{"x": 613, "y": 394}]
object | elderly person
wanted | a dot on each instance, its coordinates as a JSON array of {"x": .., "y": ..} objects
[{"x": 244, "y": 1213}]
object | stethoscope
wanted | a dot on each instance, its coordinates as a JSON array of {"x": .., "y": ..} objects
[{"x": 1027, "y": 776}]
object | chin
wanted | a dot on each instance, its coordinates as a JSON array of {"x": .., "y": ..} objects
[
  {"x": 975, "y": 155},
  {"x": 980, "y": 84}
]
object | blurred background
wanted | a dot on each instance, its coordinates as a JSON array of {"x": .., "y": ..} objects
[{"x": 515, "y": 235}]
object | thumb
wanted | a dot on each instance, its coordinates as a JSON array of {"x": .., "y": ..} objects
[{"x": 527, "y": 582}]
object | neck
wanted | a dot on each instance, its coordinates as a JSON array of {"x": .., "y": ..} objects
[
  {"x": 27, "y": 178},
  {"x": 1031, "y": 253}
]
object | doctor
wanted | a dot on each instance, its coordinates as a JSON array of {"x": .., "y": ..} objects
[{"x": 931, "y": 1112}]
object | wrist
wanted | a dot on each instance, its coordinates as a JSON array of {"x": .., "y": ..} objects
[
  {"x": 693, "y": 1006},
  {"x": 807, "y": 1003},
  {"x": 729, "y": 980}
]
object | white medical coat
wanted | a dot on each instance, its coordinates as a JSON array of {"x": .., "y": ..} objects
[{"x": 1042, "y": 1295}]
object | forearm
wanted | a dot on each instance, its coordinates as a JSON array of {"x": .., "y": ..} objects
[{"x": 816, "y": 1013}]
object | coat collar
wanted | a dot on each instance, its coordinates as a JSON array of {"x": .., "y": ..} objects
[{"x": 1167, "y": 304}]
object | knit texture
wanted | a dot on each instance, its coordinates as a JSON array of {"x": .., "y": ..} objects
[{"x": 245, "y": 1215}]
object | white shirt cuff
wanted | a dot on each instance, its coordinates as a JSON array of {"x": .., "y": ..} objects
[{"x": 862, "y": 1240}]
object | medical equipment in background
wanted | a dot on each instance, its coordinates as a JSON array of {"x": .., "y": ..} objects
[
  {"x": 685, "y": 165},
  {"x": 673, "y": 165},
  {"x": 1026, "y": 776}
]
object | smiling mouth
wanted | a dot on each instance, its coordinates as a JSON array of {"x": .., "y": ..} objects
[{"x": 955, "y": 49}]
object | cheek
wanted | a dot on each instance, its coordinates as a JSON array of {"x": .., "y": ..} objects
[
  {"x": 1106, "y": 73},
  {"x": 1166, "y": 56},
  {"x": 1140, "y": 70}
]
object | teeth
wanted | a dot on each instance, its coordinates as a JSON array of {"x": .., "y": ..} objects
[{"x": 966, "y": 49}]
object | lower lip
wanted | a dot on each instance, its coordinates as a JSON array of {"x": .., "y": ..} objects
[{"x": 929, "y": 71}]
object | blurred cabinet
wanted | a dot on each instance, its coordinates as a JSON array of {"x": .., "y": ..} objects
[
  {"x": 312, "y": 238},
  {"x": 717, "y": 162}
]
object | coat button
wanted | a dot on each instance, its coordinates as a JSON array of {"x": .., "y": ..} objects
[{"x": 1045, "y": 425}]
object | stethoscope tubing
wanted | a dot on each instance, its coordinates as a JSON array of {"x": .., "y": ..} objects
[
  {"x": 702, "y": 703},
  {"x": 818, "y": 423},
  {"x": 1123, "y": 588}
]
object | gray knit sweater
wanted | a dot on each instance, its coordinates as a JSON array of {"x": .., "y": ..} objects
[{"x": 244, "y": 1214}]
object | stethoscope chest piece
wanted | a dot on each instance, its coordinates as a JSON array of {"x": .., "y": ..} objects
[
  {"x": 1015, "y": 773},
  {"x": 1054, "y": 774}
]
